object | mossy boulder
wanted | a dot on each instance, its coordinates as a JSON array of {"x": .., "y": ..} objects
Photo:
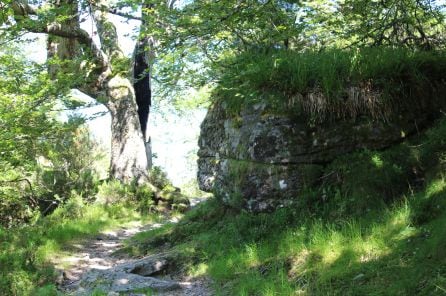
[
  {"x": 259, "y": 159},
  {"x": 172, "y": 197}
]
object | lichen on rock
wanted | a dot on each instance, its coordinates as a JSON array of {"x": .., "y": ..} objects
[{"x": 260, "y": 160}]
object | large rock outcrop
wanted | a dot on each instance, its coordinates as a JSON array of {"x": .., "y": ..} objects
[{"x": 260, "y": 160}]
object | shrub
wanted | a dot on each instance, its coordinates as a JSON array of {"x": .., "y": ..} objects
[
  {"x": 68, "y": 163},
  {"x": 17, "y": 197},
  {"x": 72, "y": 209},
  {"x": 140, "y": 197},
  {"x": 145, "y": 199},
  {"x": 49, "y": 175},
  {"x": 113, "y": 192},
  {"x": 158, "y": 177},
  {"x": 20, "y": 283}
]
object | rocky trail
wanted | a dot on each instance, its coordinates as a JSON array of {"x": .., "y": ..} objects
[{"x": 95, "y": 265}]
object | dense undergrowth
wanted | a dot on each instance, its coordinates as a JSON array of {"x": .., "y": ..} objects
[
  {"x": 335, "y": 83},
  {"x": 374, "y": 226},
  {"x": 26, "y": 251},
  {"x": 29, "y": 251}
]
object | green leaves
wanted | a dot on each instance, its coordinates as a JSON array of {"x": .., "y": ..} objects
[
  {"x": 54, "y": 157},
  {"x": 5, "y": 11},
  {"x": 23, "y": 107},
  {"x": 410, "y": 23}
]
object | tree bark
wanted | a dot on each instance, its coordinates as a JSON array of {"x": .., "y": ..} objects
[
  {"x": 129, "y": 161},
  {"x": 61, "y": 47},
  {"x": 128, "y": 153}
]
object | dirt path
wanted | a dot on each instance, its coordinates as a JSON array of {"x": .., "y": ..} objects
[{"x": 94, "y": 265}]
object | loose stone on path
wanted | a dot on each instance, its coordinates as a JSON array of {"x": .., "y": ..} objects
[{"x": 95, "y": 267}]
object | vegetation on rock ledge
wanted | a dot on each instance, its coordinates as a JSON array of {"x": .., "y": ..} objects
[{"x": 335, "y": 83}]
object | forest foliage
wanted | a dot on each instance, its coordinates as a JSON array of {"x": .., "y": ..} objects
[
  {"x": 43, "y": 157},
  {"x": 242, "y": 48}
]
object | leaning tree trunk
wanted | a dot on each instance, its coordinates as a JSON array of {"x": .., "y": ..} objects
[{"x": 128, "y": 152}]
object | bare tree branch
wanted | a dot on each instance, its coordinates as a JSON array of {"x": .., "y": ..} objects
[{"x": 123, "y": 14}]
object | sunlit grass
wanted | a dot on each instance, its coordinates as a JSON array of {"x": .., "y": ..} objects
[
  {"x": 27, "y": 253},
  {"x": 435, "y": 187},
  {"x": 360, "y": 242},
  {"x": 198, "y": 270}
]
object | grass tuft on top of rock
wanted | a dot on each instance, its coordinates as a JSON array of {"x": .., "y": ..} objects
[{"x": 332, "y": 84}]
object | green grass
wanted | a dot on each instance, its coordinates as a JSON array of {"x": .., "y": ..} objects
[
  {"x": 287, "y": 253},
  {"x": 317, "y": 83},
  {"x": 29, "y": 251},
  {"x": 26, "y": 252},
  {"x": 376, "y": 227}
]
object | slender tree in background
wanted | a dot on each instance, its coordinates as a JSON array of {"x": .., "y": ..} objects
[{"x": 143, "y": 59}]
